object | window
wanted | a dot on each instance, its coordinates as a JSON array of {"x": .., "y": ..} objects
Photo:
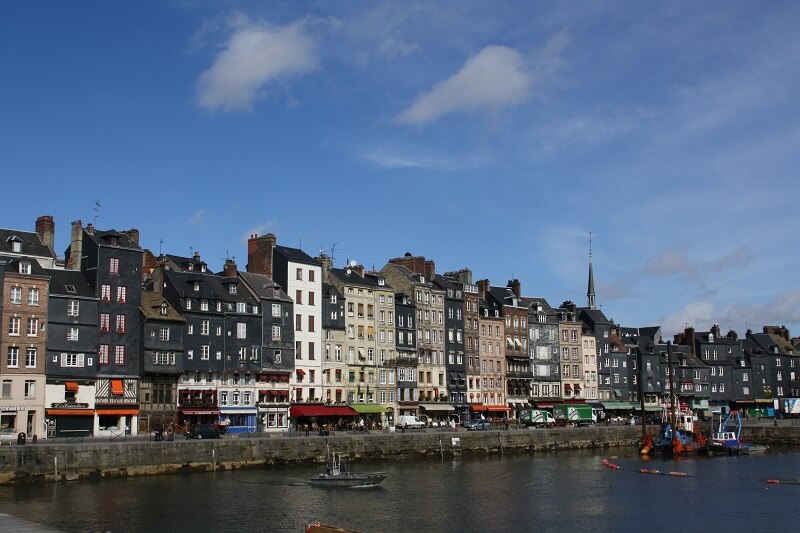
[
  {"x": 122, "y": 294},
  {"x": 73, "y": 308},
  {"x": 16, "y": 295},
  {"x": 311, "y": 296},
  {"x": 204, "y": 327},
  {"x": 299, "y": 274},
  {"x": 113, "y": 265},
  {"x": 30, "y": 388},
  {"x": 32, "y": 329},
  {"x": 163, "y": 334},
  {"x": 119, "y": 354},
  {"x": 204, "y": 305},
  {"x": 188, "y": 304},
  {"x": 276, "y": 310},
  {"x": 311, "y": 352},
  {"x": 13, "y": 357},
  {"x": 298, "y": 322},
  {"x": 298, "y": 297},
  {"x": 72, "y": 334},
  {"x": 310, "y": 275},
  {"x": 105, "y": 293},
  {"x": 205, "y": 351},
  {"x": 72, "y": 359},
  {"x": 105, "y": 322},
  {"x": 24, "y": 268},
  {"x": 232, "y": 288},
  {"x": 33, "y": 296},
  {"x": 311, "y": 323},
  {"x": 30, "y": 358},
  {"x": 276, "y": 333},
  {"x": 102, "y": 354},
  {"x": 190, "y": 329},
  {"x": 13, "y": 325},
  {"x": 276, "y": 357},
  {"x": 121, "y": 324},
  {"x": 241, "y": 330}
]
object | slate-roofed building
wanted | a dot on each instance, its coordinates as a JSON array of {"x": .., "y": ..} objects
[
  {"x": 455, "y": 343},
  {"x": 543, "y": 344},
  {"x": 111, "y": 261},
  {"x": 277, "y": 351},
  {"x": 39, "y": 244},
  {"x": 406, "y": 363},
  {"x": 72, "y": 329},
  {"x": 492, "y": 390},
  {"x": 334, "y": 371},
  {"x": 472, "y": 361},
  {"x": 780, "y": 366},
  {"x": 300, "y": 276},
  {"x": 162, "y": 362},
  {"x": 570, "y": 331}
]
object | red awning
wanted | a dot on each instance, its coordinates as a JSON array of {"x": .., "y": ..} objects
[
  {"x": 70, "y": 412},
  {"x": 321, "y": 410},
  {"x": 576, "y": 387},
  {"x": 479, "y": 407},
  {"x": 71, "y": 386},
  {"x": 300, "y": 372},
  {"x": 497, "y": 408},
  {"x": 117, "y": 411},
  {"x": 567, "y": 387},
  {"x": 117, "y": 389}
]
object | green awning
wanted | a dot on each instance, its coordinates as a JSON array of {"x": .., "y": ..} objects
[
  {"x": 619, "y": 406},
  {"x": 653, "y": 408},
  {"x": 367, "y": 408}
]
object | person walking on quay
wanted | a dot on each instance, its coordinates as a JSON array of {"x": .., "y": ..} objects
[{"x": 361, "y": 424}]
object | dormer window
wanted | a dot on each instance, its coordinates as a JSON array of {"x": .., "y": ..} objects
[
  {"x": 202, "y": 268},
  {"x": 422, "y": 279},
  {"x": 163, "y": 310},
  {"x": 381, "y": 282},
  {"x": 16, "y": 244},
  {"x": 232, "y": 288},
  {"x": 24, "y": 267},
  {"x": 191, "y": 266},
  {"x": 70, "y": 289}
]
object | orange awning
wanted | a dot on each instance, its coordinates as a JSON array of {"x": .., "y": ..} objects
[
  {"x": 70, "y": 412},
  {"x": 71, "y": 386},
  {"x": 117, "y": 388},
  {"x": 117, "y": 411}
]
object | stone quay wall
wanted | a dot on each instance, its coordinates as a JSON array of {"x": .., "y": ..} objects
[{"x": 95, "y": 459}]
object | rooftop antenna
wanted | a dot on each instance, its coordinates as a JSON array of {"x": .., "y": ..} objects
[
  {"x": 97, "y": 207},
  {"x": 333, "y": 249},
  {"x": 160, "y": 245}
]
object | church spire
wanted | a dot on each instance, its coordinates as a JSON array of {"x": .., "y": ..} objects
[{"x": 590, "y": 290}]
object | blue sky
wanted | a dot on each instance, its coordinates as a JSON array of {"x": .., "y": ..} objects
[{"x": 494, "y": 136}]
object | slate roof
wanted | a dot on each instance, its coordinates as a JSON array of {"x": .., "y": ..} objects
[
  {"x": 60, "y": 279},
  {"x": 263, "y": 286},
  {"x": 10, "y": 264},
  {"x": 295, "y": 255},
  {"x": 151, "y": 308},
  {"x": 31, "y": 244},
  {"x": 104, "y": 238},
  {"x": 354, "y": 279}
]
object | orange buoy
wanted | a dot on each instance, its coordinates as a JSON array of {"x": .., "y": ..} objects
[
  {"x": 615, "y": 467},
  {"x": 644, "y": 471},
  {"x": 774, "y": 481},
  {"x": 678, "y": 474}
]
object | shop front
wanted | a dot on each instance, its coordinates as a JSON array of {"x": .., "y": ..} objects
[
  {"x": 116, "y": 420},
  {"x": 65, "y": 420},
  {"x": 318, "y": 417},
  {"x": 372, "y": 413},
  {"x": 238, "y": 419}
]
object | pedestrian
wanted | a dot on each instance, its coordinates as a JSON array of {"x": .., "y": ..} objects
[{"x": 361, "y": 424}]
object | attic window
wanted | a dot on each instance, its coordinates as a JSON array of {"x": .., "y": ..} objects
[
  {"x": 232, "y": 288},
  {"x": 24, "y": 267},
  {"x": 191, "y": 266},
  {"x": 381, "y": 282},
  {"x": 70, "y": 288},
  {"x": 16, "y": 244},
  {"x": 196, "y": 286},
  {"x": 163, "y": 309}
]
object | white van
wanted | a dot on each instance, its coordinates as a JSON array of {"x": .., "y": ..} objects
[{"x": 409, "y": 421}]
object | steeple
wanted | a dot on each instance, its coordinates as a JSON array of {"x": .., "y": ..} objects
[{"x": 590, "y": 290}]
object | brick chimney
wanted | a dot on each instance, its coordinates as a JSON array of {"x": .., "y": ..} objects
[
  {"x": 416, "y": 264},
  {"x": 716, "y": 331},
  {"x": 689, "y": 341},
  {"x": 326, "y": 264},
  {"x": 515, "y": 287},
  {"x": 75, "y": 246},
  {"x": 229, "y": 270},
  {"x": 45, "y": 229},
  {"x": 483, "y": 289},
  {"x": 133, "y": 235},
  {"x": 358, "y": 269},
  {"x": 259, "y": 253}
]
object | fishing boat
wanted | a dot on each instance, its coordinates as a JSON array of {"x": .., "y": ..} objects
[
  {"x": 684, "y": 439},
  {"x": 726, "y": 440},
  {"x": 337, "y": 475}
]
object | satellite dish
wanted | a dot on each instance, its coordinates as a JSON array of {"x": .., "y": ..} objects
[{"x": 352, "y": 263}]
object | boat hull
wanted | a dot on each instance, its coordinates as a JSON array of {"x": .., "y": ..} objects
[{"x": 348, "y": 480}]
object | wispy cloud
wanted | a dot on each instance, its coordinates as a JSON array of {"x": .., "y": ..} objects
[
  {"x": 399, "y": 156},
  {"x": 254, "y": 56},
  {"x": 262, "y": 229},
  {"x": 198, "y": 218}
]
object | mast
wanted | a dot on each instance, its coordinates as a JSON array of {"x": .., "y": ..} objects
[{"x": 590, "y": 296}]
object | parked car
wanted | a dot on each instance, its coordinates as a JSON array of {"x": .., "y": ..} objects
[
  {"x": 478, "y": 425},
  {"x": 205, "y": 431}
]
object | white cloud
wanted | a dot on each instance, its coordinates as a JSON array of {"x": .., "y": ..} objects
[
  {"x": 392, "y": 156},
  {"x": 255, "y": 55},
  {"x": 392, "y": 47},
  {"x": 783, "y": 309},
  {"x": 263, "y": 229},
  {"x": 493, "y": 79}
]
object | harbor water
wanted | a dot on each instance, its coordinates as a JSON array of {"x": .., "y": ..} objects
[{"x": 563, "y": 491}]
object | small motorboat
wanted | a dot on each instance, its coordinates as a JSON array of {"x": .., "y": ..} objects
[{"x": 337, "y": 475}]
